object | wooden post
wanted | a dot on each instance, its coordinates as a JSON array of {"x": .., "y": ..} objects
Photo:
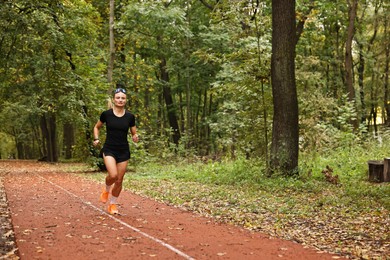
[
  {"x": 375, "y": 171},
  {"x": 386, "y": 170}
]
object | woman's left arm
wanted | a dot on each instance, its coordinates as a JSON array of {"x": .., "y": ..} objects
[{"x": 134, "y": 135}]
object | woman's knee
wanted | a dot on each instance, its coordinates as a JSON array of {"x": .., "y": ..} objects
[
  {"x": 112, "y": 177},
  {"x": 119, "y": 180}
]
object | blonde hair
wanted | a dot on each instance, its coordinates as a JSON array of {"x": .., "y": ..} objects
[{"x": 109, "y": 103}]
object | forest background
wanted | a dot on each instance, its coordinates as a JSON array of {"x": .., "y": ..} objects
[{"x": 198, "y": 75}]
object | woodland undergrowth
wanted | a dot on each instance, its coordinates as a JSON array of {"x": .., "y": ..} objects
[{"x": 330, "y": 205}]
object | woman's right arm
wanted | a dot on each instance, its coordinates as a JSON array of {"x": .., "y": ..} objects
[{"x": 96, "y": 129}]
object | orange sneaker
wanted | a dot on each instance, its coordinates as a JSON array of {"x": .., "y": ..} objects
[
  {"x": 104, "y": 196},
  {"x": 112, "y": 209}
]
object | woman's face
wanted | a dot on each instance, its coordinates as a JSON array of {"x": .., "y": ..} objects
[{"x": 120, "y": 99}]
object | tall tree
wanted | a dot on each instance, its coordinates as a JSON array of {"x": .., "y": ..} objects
[
  {"x": 285, "y": 130},
  {"x": 40, "y": 46},
  {"x": 157, "y": 30},
  {"x": 112, "y": 45},
  {"x": 171, "y": 108},
  {"x": 386, "y": 74},
  {"x": 353, "y": 4}
]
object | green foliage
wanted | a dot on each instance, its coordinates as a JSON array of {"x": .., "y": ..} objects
[
  {"x": 244, "y": 62},
  {"x": 7, "y": 149},
  {"x": 350, "y": 165},
  {"x": 46, "y": 55},
  {"x": 327, "y": 123},
  {"x": 54, "y": 59},
  {"x": 306, "y": 207}
]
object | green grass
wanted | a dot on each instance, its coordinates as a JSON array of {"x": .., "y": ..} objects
[{"x": 304, "y": 208}]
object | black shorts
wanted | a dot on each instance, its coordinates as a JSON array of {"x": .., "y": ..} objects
[{"x": 119, "y": 154}]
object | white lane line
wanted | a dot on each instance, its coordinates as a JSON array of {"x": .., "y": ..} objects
[{"x": 177, "y": 251}]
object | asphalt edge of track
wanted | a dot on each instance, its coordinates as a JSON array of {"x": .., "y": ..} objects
[{"x": 8, "y": 246}]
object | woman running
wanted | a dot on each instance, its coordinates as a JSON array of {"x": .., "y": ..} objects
[{"x": 116, "y": 151}]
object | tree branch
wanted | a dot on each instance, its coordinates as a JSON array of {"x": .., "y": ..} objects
[
  {"x": 301, "y": 23},
  {"x": 209, "y": 6}
]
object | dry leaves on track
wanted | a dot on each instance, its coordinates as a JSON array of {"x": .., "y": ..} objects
[
  {"x": 358, "y": 235},
  {"x": 8, "y": 248}
]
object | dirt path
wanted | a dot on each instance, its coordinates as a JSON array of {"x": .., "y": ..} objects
[{"x": 58, "y": 216}]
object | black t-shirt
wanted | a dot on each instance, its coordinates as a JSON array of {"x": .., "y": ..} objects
[{"x": 117, "y": 127}]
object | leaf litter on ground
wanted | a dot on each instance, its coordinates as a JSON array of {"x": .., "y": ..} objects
[
  {"x": 324, "y": 218},
  {"x": 294, "y": 216}
]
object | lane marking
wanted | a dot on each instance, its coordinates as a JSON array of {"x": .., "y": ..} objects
[{"x": 177, "y": 251}]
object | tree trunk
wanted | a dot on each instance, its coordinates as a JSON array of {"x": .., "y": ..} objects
[
  {"x": 146, "y": 119},
  {"x": 171, "y": 109},
  {"x": 188, "y": 105},
  {"x": 195, "y": 122},
  {"x": 45, "y": 135},
  {"x": 88, "y": 136},
  {"x": 48, "y": 128},
  {"x": 363, "y": 116},
  {"x": 373, "y": 116},
  {"x": 52, "y": 144},
  {"x": 68, "y": 139},
  {"x": 37, "y": 138},
  {"x": 210, "y": 143},
  {"x": 348, "y": 54},
  {"x": 386, "y": 170},
  {"x": 20, "y": 150},
  {"x": 160, "y": 115},
  {"x": 386, "y": 79},
  {"x": 265, "y": 118},
  {"x": 181, "y": 110},
  {"x": 362, "y": 63},
  {"x": 337, "y": 65},
  {"x": 205, "y": 128},
  {"x": 19, "y": 147},
  {"x": 110, "y": 68},
  {"x": 375, "y": 171},
  {"x": 285, "y": 134}
]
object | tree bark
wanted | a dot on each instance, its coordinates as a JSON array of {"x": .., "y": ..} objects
[
  {"x": 45, "y": 135},
  {"x": 48, "y": 128},
  {"x": 386, "y": 79},
  {"x": 209, "y": 6},
  {"x": 52, "y": 144},
  {"x": 171, "y": 109},
  {"x": 375, "y": 171},
  {"x": 68, "y": 139},
  {"x": 285, "y": 133},
  {"x": 360, "y": 69},
  {"x": 386, "y": 170},
  {"x": 348, "y": 53},
  {"x": 112, "y": 45}
]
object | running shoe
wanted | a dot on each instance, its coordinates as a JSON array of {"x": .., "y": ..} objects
[
  {"x": 104, "y": 196},
  {"x": 112, "y": 209}
]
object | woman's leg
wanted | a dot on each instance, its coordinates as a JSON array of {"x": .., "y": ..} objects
[
  {"x": 112, "y": 170},
  {"x": 110, "y": 163},
  {"x": 116, "y": 190},
  {"x": 120, "y": 170}
]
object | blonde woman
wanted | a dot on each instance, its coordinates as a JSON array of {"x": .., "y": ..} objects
[{"x": 116, "y": 151}]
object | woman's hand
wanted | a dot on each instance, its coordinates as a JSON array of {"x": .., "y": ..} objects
[
  {"x": 135, "y": 138},
  {"x": 96, "y": 142}
]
